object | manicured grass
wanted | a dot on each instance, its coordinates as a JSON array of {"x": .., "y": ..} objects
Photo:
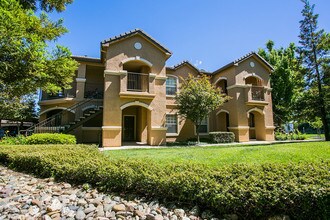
[
  {"x": 217, "y": 156},
  {"x": 314, "y": 136}
]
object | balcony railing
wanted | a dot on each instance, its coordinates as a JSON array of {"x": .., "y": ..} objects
[
  {"x": 61, "y": 94},
  {"x": 137, "y": 82},
  {"x": 258, "y": 93},
  {"x": 94, "y": 90}
]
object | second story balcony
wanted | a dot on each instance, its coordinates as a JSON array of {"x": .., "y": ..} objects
[
  {"x": 137, "y": 85},
  {"x": 63, "y": 94},
  {"x": 255, "y": 95}
]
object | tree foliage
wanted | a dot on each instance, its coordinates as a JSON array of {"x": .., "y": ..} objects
[
  {"x": 286, "y": 80},
  {"x": 198, "y": 98},
  {"x": 46, "y": 5},
  {"x": 314, "y": 51},
  {"x": 25, "y": 61}
]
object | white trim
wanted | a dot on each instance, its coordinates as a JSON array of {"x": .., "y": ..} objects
[
  {"x": 161, "y": 77},
  {"x": 111, "y": 127},
  {"x": 219, "y": 79},
  {"x": 91, "y": 128},
  {"x": 270, "y": 127},
  {"x": 137, "y": 58},
  {"x": 134, "y": 104},
  {"x": 54, "y": 108},
  {"x": 152, "y": 75},
  {"x": 255, "y": 109},
  {"x": 238, "y": 86},
  {"x": 134, "y": 138},
  {"x": 239, "y": 127},
  {"x": 253, "y": 75},
  {"x": 115, "y": 73},
  {"x": 158, "y": 128},
  {"x": 222, "y": 110},
  {"x": 81, "y": 80},
  {"x": 88, "y": 107}
]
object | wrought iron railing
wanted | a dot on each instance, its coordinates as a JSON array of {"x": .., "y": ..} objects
[
  {"x": 65, "y": 93},
  {"x": 137, "y": 82},
  {"x": 258, "y": 93},
  {"x": 60, "y": 121}
]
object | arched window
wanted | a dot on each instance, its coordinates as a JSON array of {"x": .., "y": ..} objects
[{"x": 171, "y": 85}]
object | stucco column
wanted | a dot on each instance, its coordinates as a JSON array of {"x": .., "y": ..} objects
[
  {"x": 81, "y": 80},
  {"x": 152, "y": 77},
  {"x": 112, "y": 113}
]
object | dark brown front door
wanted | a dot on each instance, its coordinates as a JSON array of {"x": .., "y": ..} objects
[{"x": 129, "y": 128}]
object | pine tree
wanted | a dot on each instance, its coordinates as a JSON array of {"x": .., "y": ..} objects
[{"x": 314, "y": 52}]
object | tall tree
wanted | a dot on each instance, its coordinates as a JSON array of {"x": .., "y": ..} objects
[
  {"x": 314, "y": 52},
  {"x": 286, "y": 80},
  {"x": 197, "y": 99},
  {"x": 26, "y": 62}
]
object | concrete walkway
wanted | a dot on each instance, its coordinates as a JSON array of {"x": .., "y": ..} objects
[{"x": 138, "y": 146}]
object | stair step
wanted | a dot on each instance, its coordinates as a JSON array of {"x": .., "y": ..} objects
[
  {"x": 91, "y": 112},
  {"x": 87, "y": 115},
  {"x": 72, "y": 123}
]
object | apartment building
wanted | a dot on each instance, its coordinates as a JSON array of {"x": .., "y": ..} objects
[{"x": 127, "y": 96}]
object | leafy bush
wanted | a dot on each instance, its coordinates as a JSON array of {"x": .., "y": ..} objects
[
  {"x": 301, "y": 191},
  {"x": 7, "y": 140},
  {"x": 47, "y": 138},
  {"x": 290, "y": 136},
  {"x": 222, "y": 137}
]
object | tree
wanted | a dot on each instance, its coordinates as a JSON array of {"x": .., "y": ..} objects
[
  {"x": 197, "y": 99},
  {"x": 19, "y": 109},
  {"x": 286, "y": 80},
  {"x": 26, "y": 63},
  {"x": 314, "y": 51}
]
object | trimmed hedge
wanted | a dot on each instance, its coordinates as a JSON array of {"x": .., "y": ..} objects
[
  {"x": 301, "y": 191},
  {"x": 291, "y": 136},
  {"x": 222, "y": 137},
  {"x": 48, "y": 138}
]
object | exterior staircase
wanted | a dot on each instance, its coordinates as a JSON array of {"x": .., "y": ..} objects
[{"x": 68, "y": 119}]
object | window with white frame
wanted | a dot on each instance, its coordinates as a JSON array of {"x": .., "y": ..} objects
[
  {"x": 203, "y": 127},
  {"x": 172, "y": 123},
  {"x": 171, "y": 85}
]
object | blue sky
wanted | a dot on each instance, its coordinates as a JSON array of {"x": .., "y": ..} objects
[{"x": 209, "y": 33}]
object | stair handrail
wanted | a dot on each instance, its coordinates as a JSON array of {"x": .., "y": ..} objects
[{"x": 71, "y": 108}]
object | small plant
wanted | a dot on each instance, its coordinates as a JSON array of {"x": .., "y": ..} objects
[{"x": 8, "y": 140}]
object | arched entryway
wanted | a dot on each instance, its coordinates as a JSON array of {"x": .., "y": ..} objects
[
  {"x": 257, "y": 128},
  {"x": 136, "y": 122},
  {"x": 222, "y": 120}
]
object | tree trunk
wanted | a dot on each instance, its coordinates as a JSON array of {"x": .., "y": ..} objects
[
  {"x": 197, "y": 132},
  {"x": 321, "y": 98}
]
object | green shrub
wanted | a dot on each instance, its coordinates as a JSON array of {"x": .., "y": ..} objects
[
  {"x": 290, "y": 136},
  {"x": 47, "y": 138},
  {"x": 301, "y": 191},
  {"x": 222, "y": 137},
  {"x": 18, "y": 140}
]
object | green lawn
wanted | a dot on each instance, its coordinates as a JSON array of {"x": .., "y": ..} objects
[{"x": 217, "y": 156}]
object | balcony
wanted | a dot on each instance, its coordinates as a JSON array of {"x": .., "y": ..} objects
[
  {"x": 94, "y": 90},
  {"x": 137, "y": 85},
  {"x": 64, "y": 94},
  {"x": 255, "y": 95}
]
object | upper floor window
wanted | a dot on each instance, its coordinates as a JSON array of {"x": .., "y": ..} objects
[{"x": 171, "y": 85}]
